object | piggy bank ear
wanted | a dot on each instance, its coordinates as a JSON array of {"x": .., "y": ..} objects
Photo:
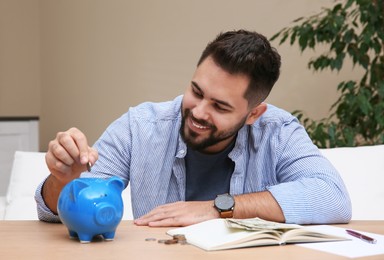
[
  {"x": 76, "y": 187},
  {"x": 117, "y": 183}
]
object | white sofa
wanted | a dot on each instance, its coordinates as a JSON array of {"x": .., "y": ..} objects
[{"x": 362, "y": 169}]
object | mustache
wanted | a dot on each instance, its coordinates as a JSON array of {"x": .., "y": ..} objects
[{"x": 199, "y": 121}]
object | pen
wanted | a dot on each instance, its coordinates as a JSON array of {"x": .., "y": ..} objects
[{"x": 361, "y": 236}]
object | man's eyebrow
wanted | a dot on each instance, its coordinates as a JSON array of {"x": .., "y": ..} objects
[
  {"x": 196, "y": 86},
  {"x": 221, "y": 102}
]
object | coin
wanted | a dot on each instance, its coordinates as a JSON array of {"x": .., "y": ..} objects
[
  {"x": 183, "y": 242},
  {"x": 171, "y": 241},
  {"x": 179, "y": 237},
  {"x": 89, "y": 166},
  {"x": 176, "y": 239}
]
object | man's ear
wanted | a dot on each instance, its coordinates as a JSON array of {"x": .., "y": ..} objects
[{"x": 255, "y": 113}]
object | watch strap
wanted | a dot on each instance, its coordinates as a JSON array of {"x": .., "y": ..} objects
[{"x": 226, "y": 214}]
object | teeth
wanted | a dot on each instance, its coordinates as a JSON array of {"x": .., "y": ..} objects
[{"x": 199, "y": 126}]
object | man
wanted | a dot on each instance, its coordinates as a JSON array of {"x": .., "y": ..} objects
[{"x": 184, "y": 157}]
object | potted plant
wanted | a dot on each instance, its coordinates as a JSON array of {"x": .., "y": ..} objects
[{"x": 351, "y": 29}]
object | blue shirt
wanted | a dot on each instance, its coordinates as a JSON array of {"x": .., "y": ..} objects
[{"x": 145, "y": 149}]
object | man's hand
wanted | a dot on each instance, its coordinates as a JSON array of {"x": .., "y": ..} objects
[
  {"x": 67, "y": 156},
  {"x": 259, "y": 204},
  {"x": 182, "y": 213}
]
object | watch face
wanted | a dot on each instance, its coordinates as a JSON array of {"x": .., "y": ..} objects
[{"x": 224, "y": 202}]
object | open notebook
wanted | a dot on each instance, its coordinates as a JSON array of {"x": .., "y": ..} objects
[{"x": 219, "y": 234}]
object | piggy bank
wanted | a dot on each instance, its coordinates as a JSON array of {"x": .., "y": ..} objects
[{"x": 91, "y": 206}]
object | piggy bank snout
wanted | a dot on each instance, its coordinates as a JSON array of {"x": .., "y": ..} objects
[{"x": 106, "y": 214}]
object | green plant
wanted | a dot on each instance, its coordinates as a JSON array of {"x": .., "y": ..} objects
[{"x": 352, "y": 29}]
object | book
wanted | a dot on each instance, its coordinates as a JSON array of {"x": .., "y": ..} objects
[{"x": 220, "y": 234}]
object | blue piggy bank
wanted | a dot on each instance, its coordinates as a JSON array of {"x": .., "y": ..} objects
[{"x": 91, "y": 206}]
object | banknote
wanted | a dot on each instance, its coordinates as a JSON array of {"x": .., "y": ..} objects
[{"x": 257, "y": 224}]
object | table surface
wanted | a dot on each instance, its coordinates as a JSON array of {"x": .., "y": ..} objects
[{"x": 39, "y": 240}]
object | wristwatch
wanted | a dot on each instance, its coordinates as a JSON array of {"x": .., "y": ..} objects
[{"x": 225, "y": 204}]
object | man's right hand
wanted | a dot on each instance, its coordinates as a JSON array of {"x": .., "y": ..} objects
[{"x": 67, "y": 156}]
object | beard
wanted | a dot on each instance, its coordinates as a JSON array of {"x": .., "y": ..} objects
[{"x": 191, "y": 138}]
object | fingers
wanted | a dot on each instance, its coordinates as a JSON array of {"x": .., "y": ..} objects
[
  {"x": 74, "y": 143},
  {"x": 160, "y": 216},
  {"x": 178, "y": 214},
  {"x": 93, "y": 155},
  {"x": 168, "y": 222},
  {"x": 156, "y": 214},
  {"x": 80, "y": 148},
  {"x": 69, "y": 153}
]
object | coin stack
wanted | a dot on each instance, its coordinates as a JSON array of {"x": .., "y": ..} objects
[{"x": 176, "y": 239}]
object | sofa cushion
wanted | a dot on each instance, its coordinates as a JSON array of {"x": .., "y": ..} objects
[
  {"x": 2, "y": 207},
  {"x": 28, "y": 171},
  {"x": 22, "y": 208},
  {"x": 362, "y": 169}
]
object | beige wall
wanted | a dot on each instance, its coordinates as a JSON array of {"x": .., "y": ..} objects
[
  {"x": 85, "y": 62},
  {"x": 19, "y": 58}
]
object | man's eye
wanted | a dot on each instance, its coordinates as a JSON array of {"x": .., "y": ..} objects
[
  {"x": 198, "y": 94},
  {"x": 220, "y": 108}
]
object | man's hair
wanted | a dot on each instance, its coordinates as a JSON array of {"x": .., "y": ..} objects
[{"x": 248, "y": 53}]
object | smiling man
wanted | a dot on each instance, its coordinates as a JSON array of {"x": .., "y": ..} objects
[
  {"x": 214, "y": 108},
  {"x": 217, "y": 151}
]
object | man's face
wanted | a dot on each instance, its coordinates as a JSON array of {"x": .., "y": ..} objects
[{"x": 214, "y": 108}]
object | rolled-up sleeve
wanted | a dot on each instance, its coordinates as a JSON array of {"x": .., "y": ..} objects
[
  {"x": 43, "y": 212},
  {"x": 310, "y": 190}
]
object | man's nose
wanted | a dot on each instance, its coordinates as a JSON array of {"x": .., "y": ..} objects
[{"x": 200, "y": 111}]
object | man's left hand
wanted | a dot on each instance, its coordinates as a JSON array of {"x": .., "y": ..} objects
[{"x": 181, "y": 213}]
